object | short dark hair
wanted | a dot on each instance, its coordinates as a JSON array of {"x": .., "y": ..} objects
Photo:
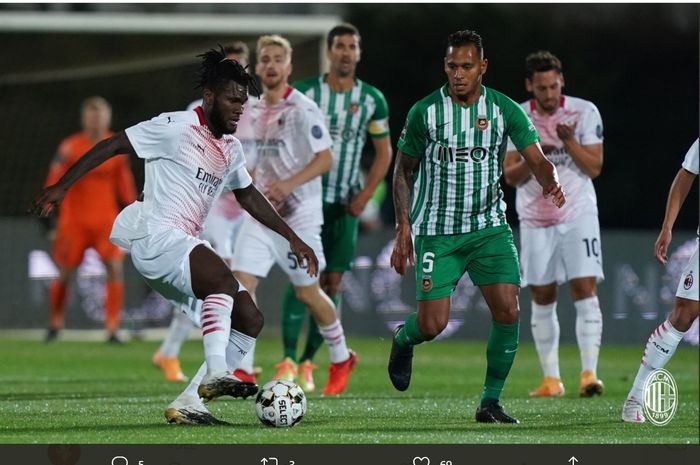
[
  {"x": 465, "y": 37},
  {"x": 541, "y": 61},
  {"x": 239, "y": 48},
  {"x": 342, "y": 30},
  {"x": 216, "y": 69}
]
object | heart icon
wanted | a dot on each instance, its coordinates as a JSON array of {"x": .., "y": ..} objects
[{"x": 421, "y": 461}]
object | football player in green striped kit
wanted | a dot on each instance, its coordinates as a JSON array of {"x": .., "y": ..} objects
[
  {"x": 353, "y": 109},
  {"x": 447, "y": 194}
]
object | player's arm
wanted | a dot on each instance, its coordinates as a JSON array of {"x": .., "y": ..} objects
[
  {"x": 515, "y": 169},
  {"x": 589, "y": 158},
  {"x": 545, "y": 173},
  {"x": 252, "y": 201},
  {"x": 676, "y": 197},
  {"x": 278, "y": 191},
  {"x": 126, "y": 186},
  {"x": 51, "y": 197},
  {"x": 404, "y": 168},
  {"x": 377, "y": 172}
]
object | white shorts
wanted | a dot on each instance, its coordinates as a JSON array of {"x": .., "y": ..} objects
[
  {"x": 221, "y": 233},
  {"x": 561, "y": 252},
  {"x": 258, "y": 248},
  {"x": 163, "y": 259},
  {"x": 688, "y": 285}
]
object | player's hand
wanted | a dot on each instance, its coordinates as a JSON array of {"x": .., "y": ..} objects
[
  {"x": 305, "y": 255},
  {"x": 661, "y": 246},
  {"x": 358, "y": 203},
  {"x": 47, "y": 200},
  {"x": 402, "y": 255},
  {"x": 278, "y": 191},
  {"x": 566, "y": 131},
  {"x": 556, "y": 192}
]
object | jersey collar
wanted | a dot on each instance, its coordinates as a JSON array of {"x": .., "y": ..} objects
[{"x": 200, "y": 115}]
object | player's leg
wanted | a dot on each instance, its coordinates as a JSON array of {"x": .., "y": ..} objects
[
  {"x": 330, "y": 283},
  {"x": 589, "y": 331},
  {"x": 493, "y": 265},
  {"x": 166, "y": 357},
  {"x": 339, "y": 240},
  {"x": 438, "y": 269},
  {"x": 424, "y": 325},
  {"x": 293, "y": 313},
  {"x": 541, "y": 265},
  {"x": 213, "y": 283},
  {"x": 68, "y": 248},
  {"x": 113, "y": 259},
  {"x": 322, "y": 309},
  {"x": 244, "y": 370},
  {"x": 114, "y": 297},
  {"x": 664, "y": 340},
  {"x": 582, "y": 258}
]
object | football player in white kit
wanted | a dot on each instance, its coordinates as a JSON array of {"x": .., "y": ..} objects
[
  {"x": 559, "y": 245},
  {"x": 293, "y": 152},
  {"x": 190, "y": 156},
  {"x": 220, "y": 229},
  {"x": 663, "y": 340}
]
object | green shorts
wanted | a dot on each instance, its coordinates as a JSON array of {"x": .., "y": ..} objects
[
  {"x": 489, "y": 255},
  {"x": 339, "y": 236}
]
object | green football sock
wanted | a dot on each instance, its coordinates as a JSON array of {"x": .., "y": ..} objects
[
  {"x": 314, "y": 340},
  {"x": 410, "y": 334},
  {"x": 500, "y": 353},
  {"x": 293, "y": 313}
]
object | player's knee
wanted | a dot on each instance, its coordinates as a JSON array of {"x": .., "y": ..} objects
[
  {"x": 246, "y": 317},
  {"x": 306, "y": 295},
  {"x": 225, "y": 283},
  {"x": 433, "y": 327},
  {"x": 507, "y": 314},
  {"x": 682, "y": 317}
]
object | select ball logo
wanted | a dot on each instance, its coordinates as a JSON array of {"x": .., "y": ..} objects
[
  {"x": 280, "y": 404},
  {"x": 660, "y": 397}
]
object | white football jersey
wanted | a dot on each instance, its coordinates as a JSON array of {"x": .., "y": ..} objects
[
  {"x": 226, "y": 206},
  {"x": 186, "y": 168},
  {"x": 533, "y": 209},
  {"x": 289, "y": 134}
]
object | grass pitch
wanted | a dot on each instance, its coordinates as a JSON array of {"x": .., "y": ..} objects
[{"x": 91, "y": 392}]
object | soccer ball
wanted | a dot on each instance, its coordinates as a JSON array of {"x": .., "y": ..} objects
[{"x": 280, "y": 403}]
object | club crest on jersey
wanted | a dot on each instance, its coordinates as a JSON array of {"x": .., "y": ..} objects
[
  {"x": 482, "y": 123},
  {"x": 316, "y": 131},
  {"x": 688, "y": 281},
  {"x": 353, "y": 107},
  {"x": 426, "y": 283}
]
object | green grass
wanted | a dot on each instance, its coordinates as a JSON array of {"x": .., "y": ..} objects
[{"x": 89, "y": 392}]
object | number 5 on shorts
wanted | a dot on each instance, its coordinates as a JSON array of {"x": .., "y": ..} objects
[{"x": 428, "y": 262}]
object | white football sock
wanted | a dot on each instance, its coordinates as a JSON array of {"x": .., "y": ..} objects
[
  {"x": 589, "y": 330},
  {"x": 216, "y": 327},
  {"x": 247, "y": 362},
  {"x": 545, "y": 332},
  {"x": 179, "y": 329},
  {"x": 239, "y": 347},
  {"x": 335, "y": 339},
  {"x": 659, "y": 349},
  {"x": 191, "y": 389}
]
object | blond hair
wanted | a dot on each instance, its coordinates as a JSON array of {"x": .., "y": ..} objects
[
  {"x": 275, "y": 39},
  {"x": 95, "y": 102}
]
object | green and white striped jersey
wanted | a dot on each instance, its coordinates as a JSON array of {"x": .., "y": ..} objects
[
  {"x": 461, "y": 148},
  {"x": 349, "y": 117}
]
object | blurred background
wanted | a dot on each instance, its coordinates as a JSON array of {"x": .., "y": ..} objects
[{"x": 637, "y": 63}]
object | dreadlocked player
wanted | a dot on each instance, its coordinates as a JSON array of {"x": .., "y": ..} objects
[{"x": 190, "y": 157}]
